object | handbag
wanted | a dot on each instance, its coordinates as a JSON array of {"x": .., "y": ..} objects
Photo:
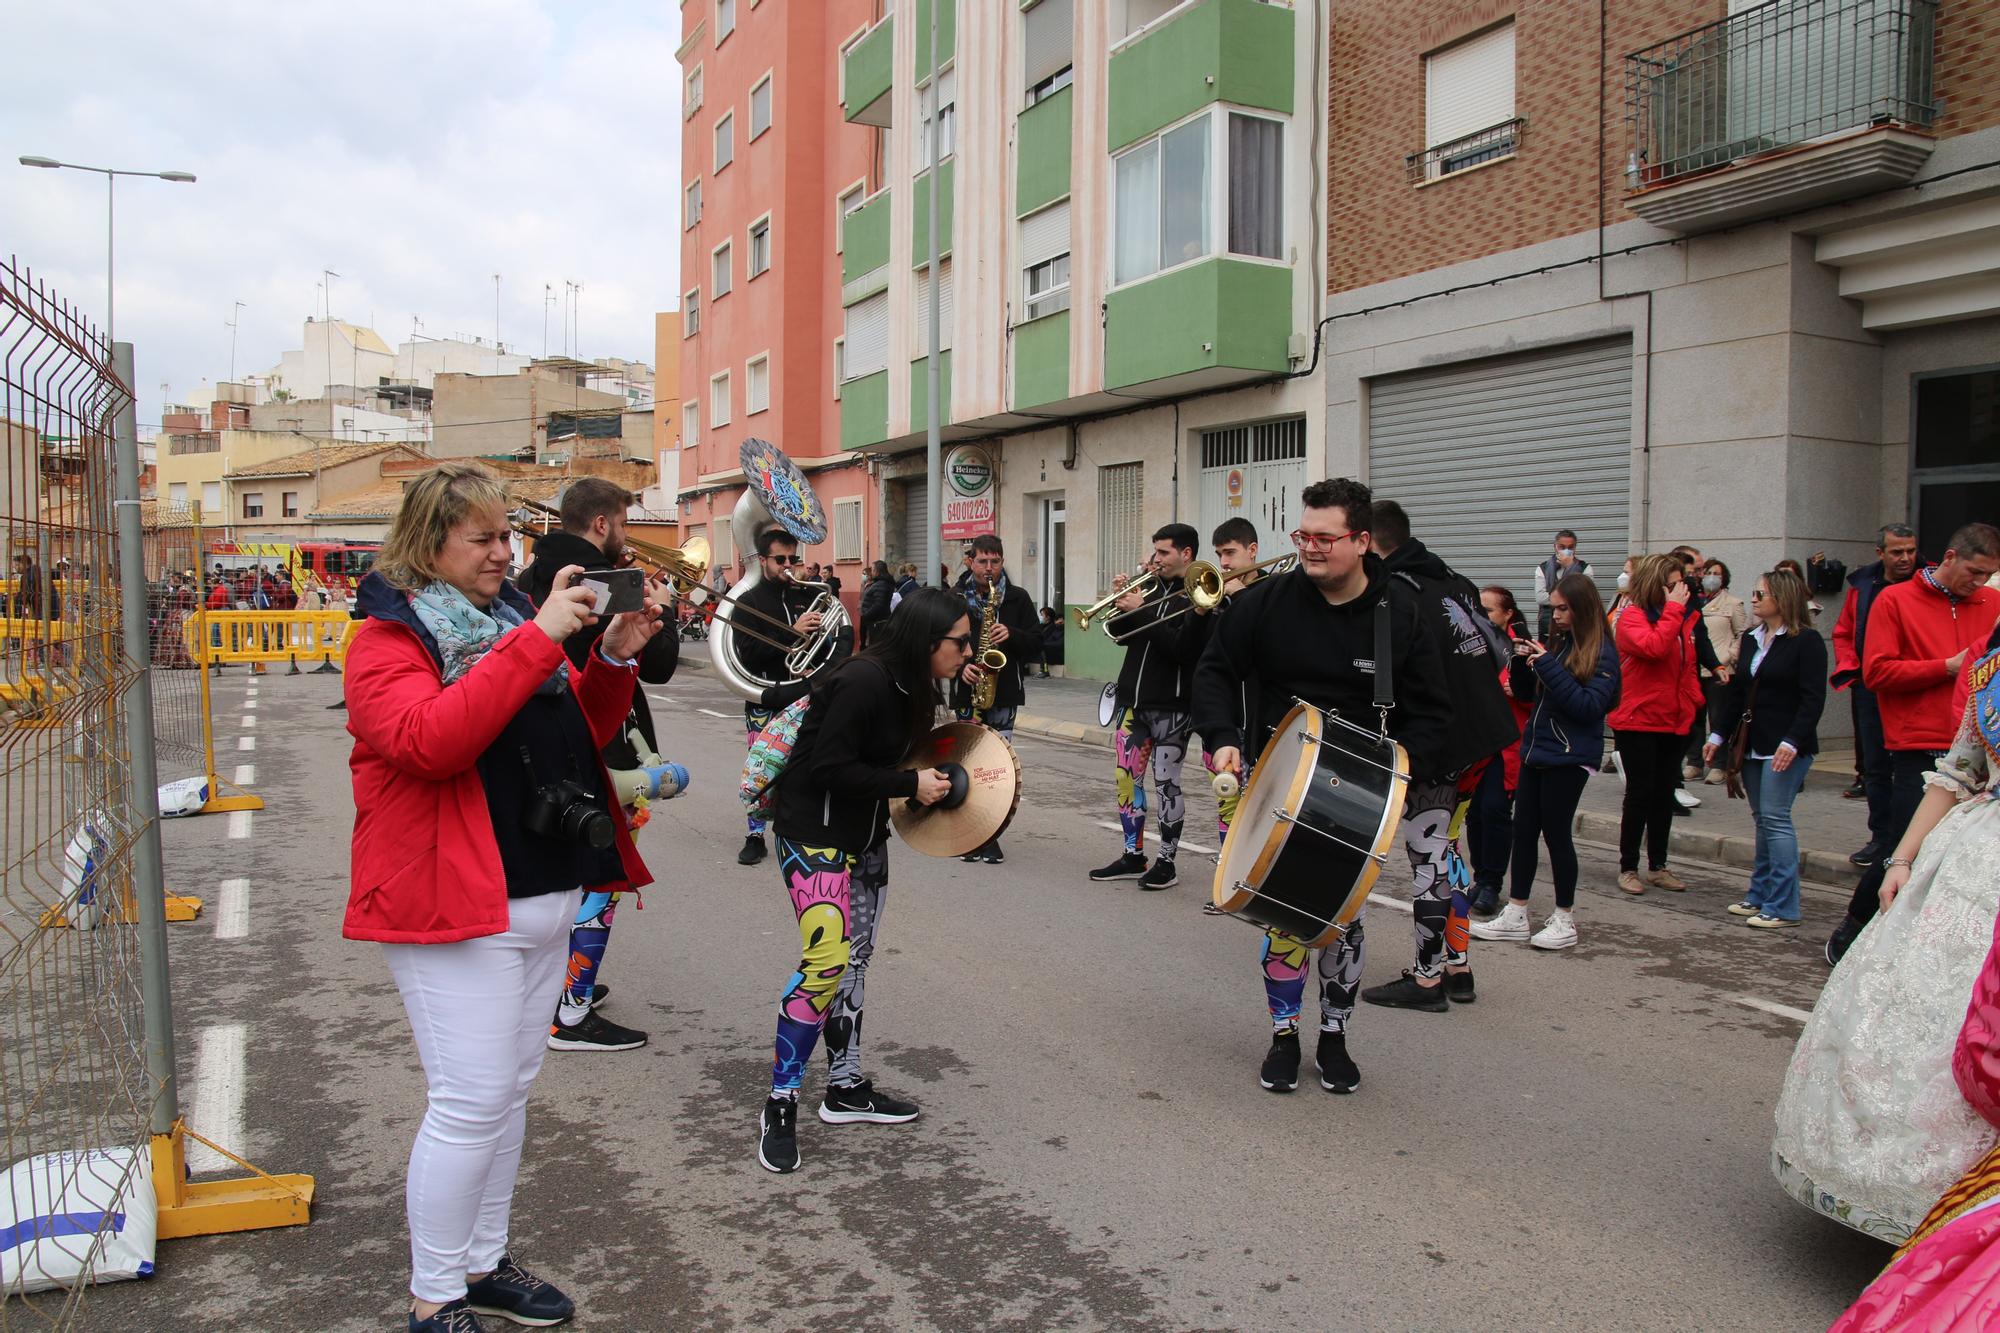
[{"x": 1739, "y": 746}]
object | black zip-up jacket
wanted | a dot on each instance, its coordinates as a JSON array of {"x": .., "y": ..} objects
[
  {"x": 1286, "y": 641},
  {"x": 787, "y": 602},
  {"x": 556, "y": 551},
  {"x": 1158, "y": 671},
  {"x": 836, "y": 789},
  {"x": 1791, "y": 693},
  {"x": 1024, "y": 643},
  {"x": 1471, "y": 653}
]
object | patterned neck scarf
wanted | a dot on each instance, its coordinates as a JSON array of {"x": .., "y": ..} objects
[
  {"x": 975, "y": 591},
  {"x": 465, "y": 633}
]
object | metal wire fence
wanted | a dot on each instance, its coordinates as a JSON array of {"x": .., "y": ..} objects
[
  {"x": 174, "y": 593},
  {"x": 74, "y": 1088}
]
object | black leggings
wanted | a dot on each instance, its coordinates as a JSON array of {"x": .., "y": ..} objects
[
  {"x": 1545, "y": 811},
  {"x": 1651, "y": 760}
]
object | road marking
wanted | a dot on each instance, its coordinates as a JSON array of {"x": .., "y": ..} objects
[
  {"x": 249, "y": 721},
  {"x": 232, "y": 913},
  {"x": 245, "y": 774},
  {"x": 216, "y": 1109},
  {"x": 246, "y": 742},
  {"x": 239, "y": 823},
  {"x": 1393, "y": 904},
  {"x": 712, "y": 713},
  {"x": 1154, "y": 837},
  {"x": 1772, "y": 1007},
  {"x": 250, "y": 704}
]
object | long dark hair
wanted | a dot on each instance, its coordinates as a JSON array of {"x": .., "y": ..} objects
[
  {"x": 1587, "y": 624},
  {"x": 904, "y": 647}
]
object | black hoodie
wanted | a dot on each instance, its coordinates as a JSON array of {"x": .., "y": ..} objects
[
  {"x": 1471, "y": 652},
  {"x": 1288, "y": 642},
  {"x": 1158, "y": 671},
  {"x": 556, "y": 551}
]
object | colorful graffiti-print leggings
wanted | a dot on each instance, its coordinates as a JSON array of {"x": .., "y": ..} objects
[
  {"x": 1225, "y": 806},
  {"x": 755, "y": 719},
  {"x": 587, "y": 937},
  {"x": 838, "y": 901},
  {"x": 1157, "y": 739}
]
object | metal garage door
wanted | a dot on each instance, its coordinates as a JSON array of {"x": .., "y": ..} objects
[
  {"x": 916, "y": 527},
  {"x": 1491, "y": 457}
]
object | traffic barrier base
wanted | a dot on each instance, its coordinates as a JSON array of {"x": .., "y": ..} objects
[{"x": 256, "y": 1202}]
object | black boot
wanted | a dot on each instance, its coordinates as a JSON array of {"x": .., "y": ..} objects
[
  {"x": 1281, "y": 1063},
  {"x": 1337, "y": 1073}
]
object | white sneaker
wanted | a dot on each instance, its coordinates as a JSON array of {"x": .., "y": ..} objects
[
  {"x": 1558, "y": 932},
  {"x": 1685, "y": 799},
  {"x": 1511, "y": 924}
]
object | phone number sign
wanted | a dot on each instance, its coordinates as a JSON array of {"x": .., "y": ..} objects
[{"x": 968, "y": 493}]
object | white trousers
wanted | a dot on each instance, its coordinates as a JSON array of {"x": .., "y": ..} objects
[{"x": 480, "y": 1012}]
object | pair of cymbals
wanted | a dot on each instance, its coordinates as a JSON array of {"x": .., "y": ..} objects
[{"x": 991, "y": 791}]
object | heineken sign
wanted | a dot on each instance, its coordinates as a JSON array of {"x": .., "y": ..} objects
[{"x": 968, "y": 493}]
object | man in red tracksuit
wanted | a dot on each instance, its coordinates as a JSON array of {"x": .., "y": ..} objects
[{"x": 1920, "y": 633}]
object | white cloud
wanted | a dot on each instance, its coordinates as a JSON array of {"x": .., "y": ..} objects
[{"x": 414, "y": 148}]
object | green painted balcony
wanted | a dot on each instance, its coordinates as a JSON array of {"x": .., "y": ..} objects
[
  {"x": 864, "y": 411},
  {"x": 1237, "y": 51},
  {"x": 1215, "y": 322},
  {"x": 1041, "y": 361},
  {"x": 920, "y": 390},
  {"x": 947, "y": 36},
  {"x": 864, "y": 250},
  {"x": 920, "y": 214},
  {"x": 867, "y": 72},
  {"x": 1041, "y": 165}
]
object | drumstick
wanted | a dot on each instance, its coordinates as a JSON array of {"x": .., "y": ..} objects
[{"x": 1226, "y": 785}]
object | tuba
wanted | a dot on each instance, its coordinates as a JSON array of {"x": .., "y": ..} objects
[{"x": 777, "y": 497}]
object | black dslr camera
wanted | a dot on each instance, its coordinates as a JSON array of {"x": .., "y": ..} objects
[{"x": 565, "y": 810}]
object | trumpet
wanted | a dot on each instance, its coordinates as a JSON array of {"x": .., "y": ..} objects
[
  {"x": 1144, "y": 585},
  {"x": 1205, "y": 586}
]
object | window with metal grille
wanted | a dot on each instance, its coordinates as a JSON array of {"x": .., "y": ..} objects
[
  {"x": 847, "y": 529},
  {"x": 1120, "y": 530},
  {"x": 1469, "y": 103}
]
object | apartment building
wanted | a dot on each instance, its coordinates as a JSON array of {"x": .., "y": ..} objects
[
  {"x": 766, "y": 162},
  {"x": 1666, "y": 271}
]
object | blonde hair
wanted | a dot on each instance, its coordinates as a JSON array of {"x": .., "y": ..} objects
[
  {"x": 433, "y": 505},
  {"x": 1649, "y": 579},
  {"x": 1788, "y": 591}
]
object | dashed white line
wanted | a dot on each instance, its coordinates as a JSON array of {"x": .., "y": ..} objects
[
  {"x": 245, "y": 774},
  {"x": 1772, "y": 1007},
  {"x": 216, "y": 1108},
  {"x": 232, "y": 913},
  {"x": 239, "y": 823},
  {"x": 249, "y": 720},
  {"x": 250, "y": 704},
  {"x": 711, "y": 712},
  {"x": 1154, "y": 837},
  {"x": 246, "y": 742}
]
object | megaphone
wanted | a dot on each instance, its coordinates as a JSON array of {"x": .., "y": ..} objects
[{"x": 653, "y": 782}]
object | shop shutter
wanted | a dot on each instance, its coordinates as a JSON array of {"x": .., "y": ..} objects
[{"x": 916, "y": 527}]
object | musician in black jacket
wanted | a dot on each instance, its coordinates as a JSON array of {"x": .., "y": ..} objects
[
  {"x": 1154, "y": 697},
  {"x": 782, "y": 603},
  {"x": 1783, "y": 659},
  {"x": 1015, "y": 633},
  {"x": 1311, "y": 634}
]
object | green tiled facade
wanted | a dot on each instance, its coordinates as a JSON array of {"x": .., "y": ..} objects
[
  {"x": 920, "y": 391},
  {"x": 1042, "y": 153},
  {"x": 947, "y": 36},
  {"x": 1218, "y": 312},
  {"x": 870, "y": 67},
  {"x": 864, "y": 410},
  {"x": 920, "y": 214},
  {"x": 865, "y": 240},
  {"x": 1041, "y": 361},
  {"x": 1236, "y": 51}
]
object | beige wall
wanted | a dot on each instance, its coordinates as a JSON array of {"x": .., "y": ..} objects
[
  {"x": 239, "y": 449},
  {"x": 501, "y": 414}
]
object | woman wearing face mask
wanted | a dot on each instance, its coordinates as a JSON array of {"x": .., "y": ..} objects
[
  {"x": 1725, "y": 618},
  {"x": 1623, "y": 597},
  {"x": 1659, "y": 695},
  {"x": 1489, "y": 823},
  {"x": 832, "y": 817}
]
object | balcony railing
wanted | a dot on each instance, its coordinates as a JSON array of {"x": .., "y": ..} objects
[
  {"x": 1782, "y": 74},
  {"x": 1468, "y": 150}
]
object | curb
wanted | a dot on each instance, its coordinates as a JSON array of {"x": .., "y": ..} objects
[
  {"x": 1721, "y": 849},
  {"x": 1057, "y": 729}
]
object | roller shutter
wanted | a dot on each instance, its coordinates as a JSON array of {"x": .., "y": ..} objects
[
  {"x": 866, "y": 346},
  {"x": 1491, "y": 457},
  {"x": 915, "y": 533}
]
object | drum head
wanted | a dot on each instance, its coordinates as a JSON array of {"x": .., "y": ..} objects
[
  {"x": 1276, "y": 783},
  {"x": 784, "y": 490},
  {"x": 1107, "y": 705}
]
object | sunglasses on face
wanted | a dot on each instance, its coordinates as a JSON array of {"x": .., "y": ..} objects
[
  {"x": 788, "y": 559},
  {"x": 1758, "y": 594}
]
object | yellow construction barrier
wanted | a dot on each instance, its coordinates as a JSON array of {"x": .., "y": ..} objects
[{"x": 268, "y": 636}]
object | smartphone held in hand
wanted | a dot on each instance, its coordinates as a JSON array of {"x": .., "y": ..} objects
[{"x": 617, "y": 590}]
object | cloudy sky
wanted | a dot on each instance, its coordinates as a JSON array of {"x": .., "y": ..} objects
[{"x": 415, "y": 148}]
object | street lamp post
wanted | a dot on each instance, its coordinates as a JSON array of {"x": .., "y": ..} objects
[{"x": 110, "y": 181}]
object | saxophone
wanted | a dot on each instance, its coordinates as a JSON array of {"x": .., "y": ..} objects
[{"x": 989, "y": 657}]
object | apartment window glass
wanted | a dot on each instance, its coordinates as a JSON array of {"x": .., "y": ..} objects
[
  {"x": 760, "y": 246},
  {"x": 757, "y": 385},
  {"x": 1047, "y": 43},
  {"x": 725, "y": 20},
  {"x": 839, "y": 364},
  {"x": 1044, "y": 247},
  {"x": 691, "y": 312},
  {"x": 177, "y": 495},
  {"x": 253, "y": 504},
  {"x": 721, "y": 270},
  {"x": 289, "y": 505},
  {"x": 849, "y": 201},
  {"x": 691, "y": 211},
  {"x": 725, "y": 140},
  {"x": 760, "y": 107},
  {"x": 945, "y": 87},
  {"x": 718, "y": 400},
  {"x": 1469, "y": 87},
  {"x": 1256, "y": 186},
  {"x": 693, "y": 103},
  {"x": 1048, "y": 287},
  {"x": 1163, "y": 201},
  {"x": 690, "y": 424},
  {"x": 847, "y": 529}
]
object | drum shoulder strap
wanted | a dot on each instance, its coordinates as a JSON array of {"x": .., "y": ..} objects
[{"x": 1385, "y": 684}]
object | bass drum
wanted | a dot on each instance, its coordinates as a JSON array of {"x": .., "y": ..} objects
[{"x": 1314, "y": 827}]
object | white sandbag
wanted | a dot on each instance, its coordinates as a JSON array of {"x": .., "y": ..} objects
[
  {"x": 185, "y": 796},
  {"x": 83, "y": 875},
  {"x": 61, "y": 1213}
]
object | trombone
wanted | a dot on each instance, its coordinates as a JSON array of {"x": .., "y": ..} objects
[{"x": 1205, "y": 586}]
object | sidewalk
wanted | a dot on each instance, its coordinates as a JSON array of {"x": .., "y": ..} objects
[{"x": 1719, "y": 832}]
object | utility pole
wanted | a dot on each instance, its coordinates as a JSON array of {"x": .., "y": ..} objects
[
  {"x": 235, "y": 314},
  {"x": 496, "y": 323},
  {"x": 327, "y": 276},
  {"x": 933, "y": 428},
  {"x": 548, "y": 299}
]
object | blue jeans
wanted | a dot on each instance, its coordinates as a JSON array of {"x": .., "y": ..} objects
[{"x": 1774, "y": 883}]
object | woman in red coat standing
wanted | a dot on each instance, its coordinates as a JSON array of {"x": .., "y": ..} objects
[
  {"x": 1659, "y": 694},
  {"x": 480, "y": 809}
]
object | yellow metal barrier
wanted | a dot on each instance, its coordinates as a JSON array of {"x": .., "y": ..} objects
[{"x": 268, "y": 636}]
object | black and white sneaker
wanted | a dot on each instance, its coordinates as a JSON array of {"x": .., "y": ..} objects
[
  {"x": 861, "y": 1104},
  {"x": 990, "y": 855},
  {"x": 1281, "y": 1063},
  {"x": 752, "y": 853},
  {"x": 451, "y": 1317},
  {"x": 594, "y": 1033},
  {"x": 778, "y": 1141},
  {"x": 1129, "y": 866},
  {"x": 599, "y": 994},
  {"x": 1337, "y": 1073},
  {"x": 512, "y": 1293},
  {"x": 1161, "y": 876}
]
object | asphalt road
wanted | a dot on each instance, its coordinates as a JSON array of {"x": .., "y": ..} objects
[{"x": 1585, "y": 1147}]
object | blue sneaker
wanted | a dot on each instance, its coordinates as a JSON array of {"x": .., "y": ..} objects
[
  {"x": 512, "y": 1293},
  {"x": 452, "y": 1317}
]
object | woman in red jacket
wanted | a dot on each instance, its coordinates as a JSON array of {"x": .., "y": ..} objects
[
  {"x": 480, "y": 808},
  {"x": 1659, "y": 692}
]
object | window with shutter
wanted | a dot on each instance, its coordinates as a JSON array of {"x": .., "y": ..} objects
[
  {"x": 1469, "y": 87},
  {"x": 1120, "y": 534},
  {"x": 722, "y": 270},
  {"x": 847, "y": 529},
  {"x": 1045, "y": 261},
  {"x": 760, "y": 107},
  {"x": 718, "y": 399},
  {"x": 757, "y": 385},
  {"x": 867, "y": 336},
  {"x": 725, "y": 140},
  {"x": 1048, "y": 46},
  {"x": 920, "y": 311}
]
